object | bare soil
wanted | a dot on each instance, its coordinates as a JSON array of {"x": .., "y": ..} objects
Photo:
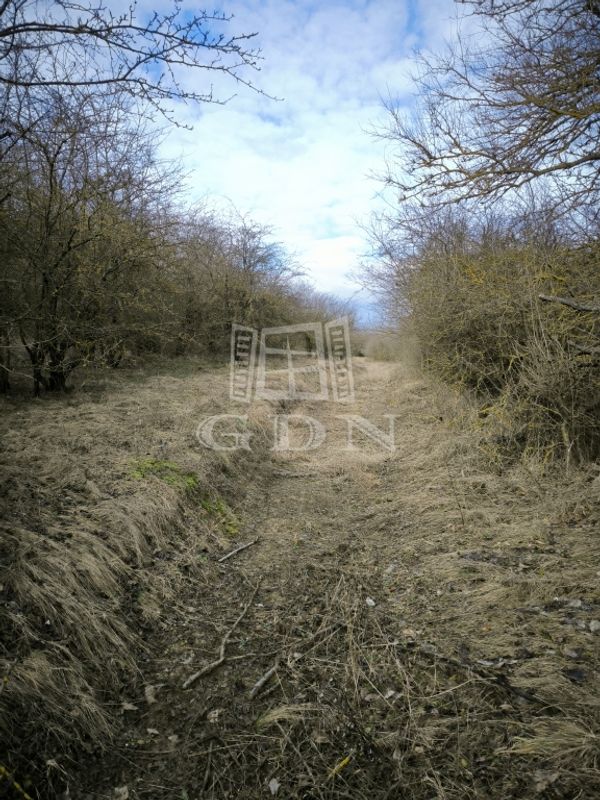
[{"x": 420, "y": 623}]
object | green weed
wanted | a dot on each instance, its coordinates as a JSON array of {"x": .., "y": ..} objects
[
  {"x": 169, "y": 472},
  {"x": 217, "y": 507}
]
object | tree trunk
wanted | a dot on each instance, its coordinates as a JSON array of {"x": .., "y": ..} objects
[{"x": 60, "y": 367}]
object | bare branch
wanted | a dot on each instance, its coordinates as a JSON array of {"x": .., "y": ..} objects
[
  {"x": 84, "y": 45},
  {"x": 567, "y": 301},
  {"x": 522, "y": 109}
]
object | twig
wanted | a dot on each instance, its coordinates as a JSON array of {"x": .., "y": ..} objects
[
  {"x": 214, "y": 664},
  {"x": 208, "y": 766},
  {"x": 237, "y": 550},
  {"x": 263, "y": 679},
  {"x": 331, "y": 630},
  {"x": 566, "y": 301}
]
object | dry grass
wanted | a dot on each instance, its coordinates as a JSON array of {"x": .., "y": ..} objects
[
  {"x": 390, "y": 345},
  {"x": 423, "y": 617},
  {"x": 94, "y": 548}
]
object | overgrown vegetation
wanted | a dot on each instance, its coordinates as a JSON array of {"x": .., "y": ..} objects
[
  {"x": 478, "y": 313},
  {"x": 102, "y": 530},
  {"x": 426, "y": 623},
  {"x": 98, "y": 256},
  {"x": 494, "y": 249},
  {"x": 99, "y": 262}
]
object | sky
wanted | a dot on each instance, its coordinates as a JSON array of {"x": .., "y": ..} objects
[{"x": 304, "y": 164}]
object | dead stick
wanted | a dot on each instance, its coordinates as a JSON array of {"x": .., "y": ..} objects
[
  {"x": 237, "y": 550},
  {"x": 272, "y": 670},
  {"x": 208, "y": 765},
  {"x": 213, "y": 665},
  {"x": 568, "y": 301},
  {"x": 263, "y": 679}
]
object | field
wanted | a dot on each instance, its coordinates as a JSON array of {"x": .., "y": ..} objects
[{"x": 418, "y": 623}]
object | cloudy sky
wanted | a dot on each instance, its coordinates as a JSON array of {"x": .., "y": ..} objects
[{"x": 303, "y": 164}]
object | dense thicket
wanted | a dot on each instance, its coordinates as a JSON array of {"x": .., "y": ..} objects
[
  {"x": 494, "y": 247},
  {"x": 98, "y": 259},
  {"x": 97, "y": 255}
]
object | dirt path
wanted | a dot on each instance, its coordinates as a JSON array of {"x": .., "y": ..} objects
[
  {"x": 317, "y": 501},
  {"x": 410, "y": 615}
]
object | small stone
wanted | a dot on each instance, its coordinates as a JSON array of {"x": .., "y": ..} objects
[
  {"x": 370, "y": 602},
  {"x": 595, "y": 626},
  {"x": 213, "y": 716},
  {"x": 150, "y": 694},
  {"x": 372, "y": 697},
  {"x": 543, "y": 779}
]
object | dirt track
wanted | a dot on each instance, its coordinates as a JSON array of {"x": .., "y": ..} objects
[{"x": 403, "y": 611}]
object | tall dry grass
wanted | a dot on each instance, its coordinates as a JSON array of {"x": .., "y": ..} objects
[
  {"x": 392, "y": 345},
  {"x": 94, "y": 547}
]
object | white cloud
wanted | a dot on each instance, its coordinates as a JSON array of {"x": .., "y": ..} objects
[{"x": 303, "y": 164}]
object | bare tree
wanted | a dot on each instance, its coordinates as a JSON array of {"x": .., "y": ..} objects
[
  {"x": 81, "y": 233},
  {"x": 70, "y": 43},
  {"x": 231, "y": 270},
  {"x": 522, "y": 107}
]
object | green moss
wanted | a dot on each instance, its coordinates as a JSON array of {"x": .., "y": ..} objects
[
  {"x": 217, "y": 507},
  {"x": 168, "y": 471},
  {"x": 174, "y": 475}
]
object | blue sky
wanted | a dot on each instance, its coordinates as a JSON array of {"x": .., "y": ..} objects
[{"x": 303, "y": 164}]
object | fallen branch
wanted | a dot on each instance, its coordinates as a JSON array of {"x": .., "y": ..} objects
[
  {"x": 263, "y": 679},
  {"x": 331, "y": 629},
  {"x": 237, "y": 550},
  {"x": 566, "y": 301},
  {"x": 217, "y": 663},
  {"x": 260, "y": 683}
]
